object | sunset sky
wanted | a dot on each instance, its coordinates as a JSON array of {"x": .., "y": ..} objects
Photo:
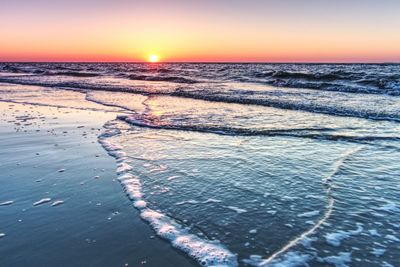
[{"x": 207, "y": 30}]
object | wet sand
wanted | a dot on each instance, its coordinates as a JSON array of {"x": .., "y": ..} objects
[{"x": 50, "y": 157}]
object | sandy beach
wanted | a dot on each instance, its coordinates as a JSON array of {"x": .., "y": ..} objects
[{"x": 61, "y": 204}]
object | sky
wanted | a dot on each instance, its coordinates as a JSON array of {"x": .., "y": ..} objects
[{"x": 200, "y": 30}]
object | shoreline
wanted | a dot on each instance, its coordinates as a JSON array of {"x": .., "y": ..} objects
[{"x": 90, "y": 215}]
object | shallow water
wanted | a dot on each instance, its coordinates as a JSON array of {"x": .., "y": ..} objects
[
  {"x": 51, "y": 153},
  {"x": 306, "y": 174}
]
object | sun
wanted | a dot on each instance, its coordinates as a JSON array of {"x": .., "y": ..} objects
[{"x": 153, "y": 58}]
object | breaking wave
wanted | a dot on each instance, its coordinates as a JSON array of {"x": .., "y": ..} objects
[
  {"x": 312, "y": 133},
  {"x": 352, "y": 90},
  {"x": 175, "y": 79},
  {"x": 206, "y": 252}
]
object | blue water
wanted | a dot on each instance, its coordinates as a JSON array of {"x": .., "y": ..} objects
[{"x": 275, "y": 164}]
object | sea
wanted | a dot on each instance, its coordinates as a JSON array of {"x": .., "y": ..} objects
[{"x": 248, "y": 164}]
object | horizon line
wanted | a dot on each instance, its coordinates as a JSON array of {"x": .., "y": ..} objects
[{"x": 211, "y": 62}]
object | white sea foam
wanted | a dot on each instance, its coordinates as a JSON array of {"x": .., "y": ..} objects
[
  {"x": 328, "y": 210},
  {"x": 389, "y": 207},
  {"x": 208, "y": 253},
  {"x": 57, "y": 203},
  {"x": 236, "y": 209},
  {"x": 335, "y": 239},
  {"x": 109, "y": 131},
  {"x": 377, "y": 252},
  {"x": 123, "y": 168},
  {"x": 272, "y": 212},
  {"x": 392, "y": 238},
  {"x": 306, "y": 242},
  {"x": 126, "y": 176},
  {"x": 314, "y": 197},
  {"x": 212, "y": 200},
  {"x": 309, "y": 214},
  {"x": 191, "y": 201},
  {"x": 340, "y": 260},
  {"x": 140, "y": 204},
  {"x": 290, "y": 259},
  {"x": 42, "y": 201},
  {"x": 172, "y": 177},
  {"x": 6, "y": 203},
  {"x": 109, "y": 147},
  {"x": 117, "y": 154},
  {"x": 374, "y": 232},
  {"x": 253, "y": 259},
  {"x": 132, "y": 186},
  {"x": 386, "y": 264}
]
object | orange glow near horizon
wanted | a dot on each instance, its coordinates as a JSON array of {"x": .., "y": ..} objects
[{"x": 199, "y": 31}]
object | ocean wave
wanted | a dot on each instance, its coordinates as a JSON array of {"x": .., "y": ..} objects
[
  {"x": 247, "y": 97},
  {"x": 343, "y": 81},
  {"x": 371, "y": 86},
  {"x": 362, "y": 86},
  {"x": 73, "y": 74},
  {"x": 208, "y": 253},
  {"x": 351, "y": 78},
  {"x": 291, "y": 105},
  {"x": 311, "y": 133},
  {"x": 12, "y": 69},
  {"x": 310, "y": 76},
  {"x": 276, "y": 258},
  {"x": 382, "y": 83},
  {"x": 175, "y": 79}
]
